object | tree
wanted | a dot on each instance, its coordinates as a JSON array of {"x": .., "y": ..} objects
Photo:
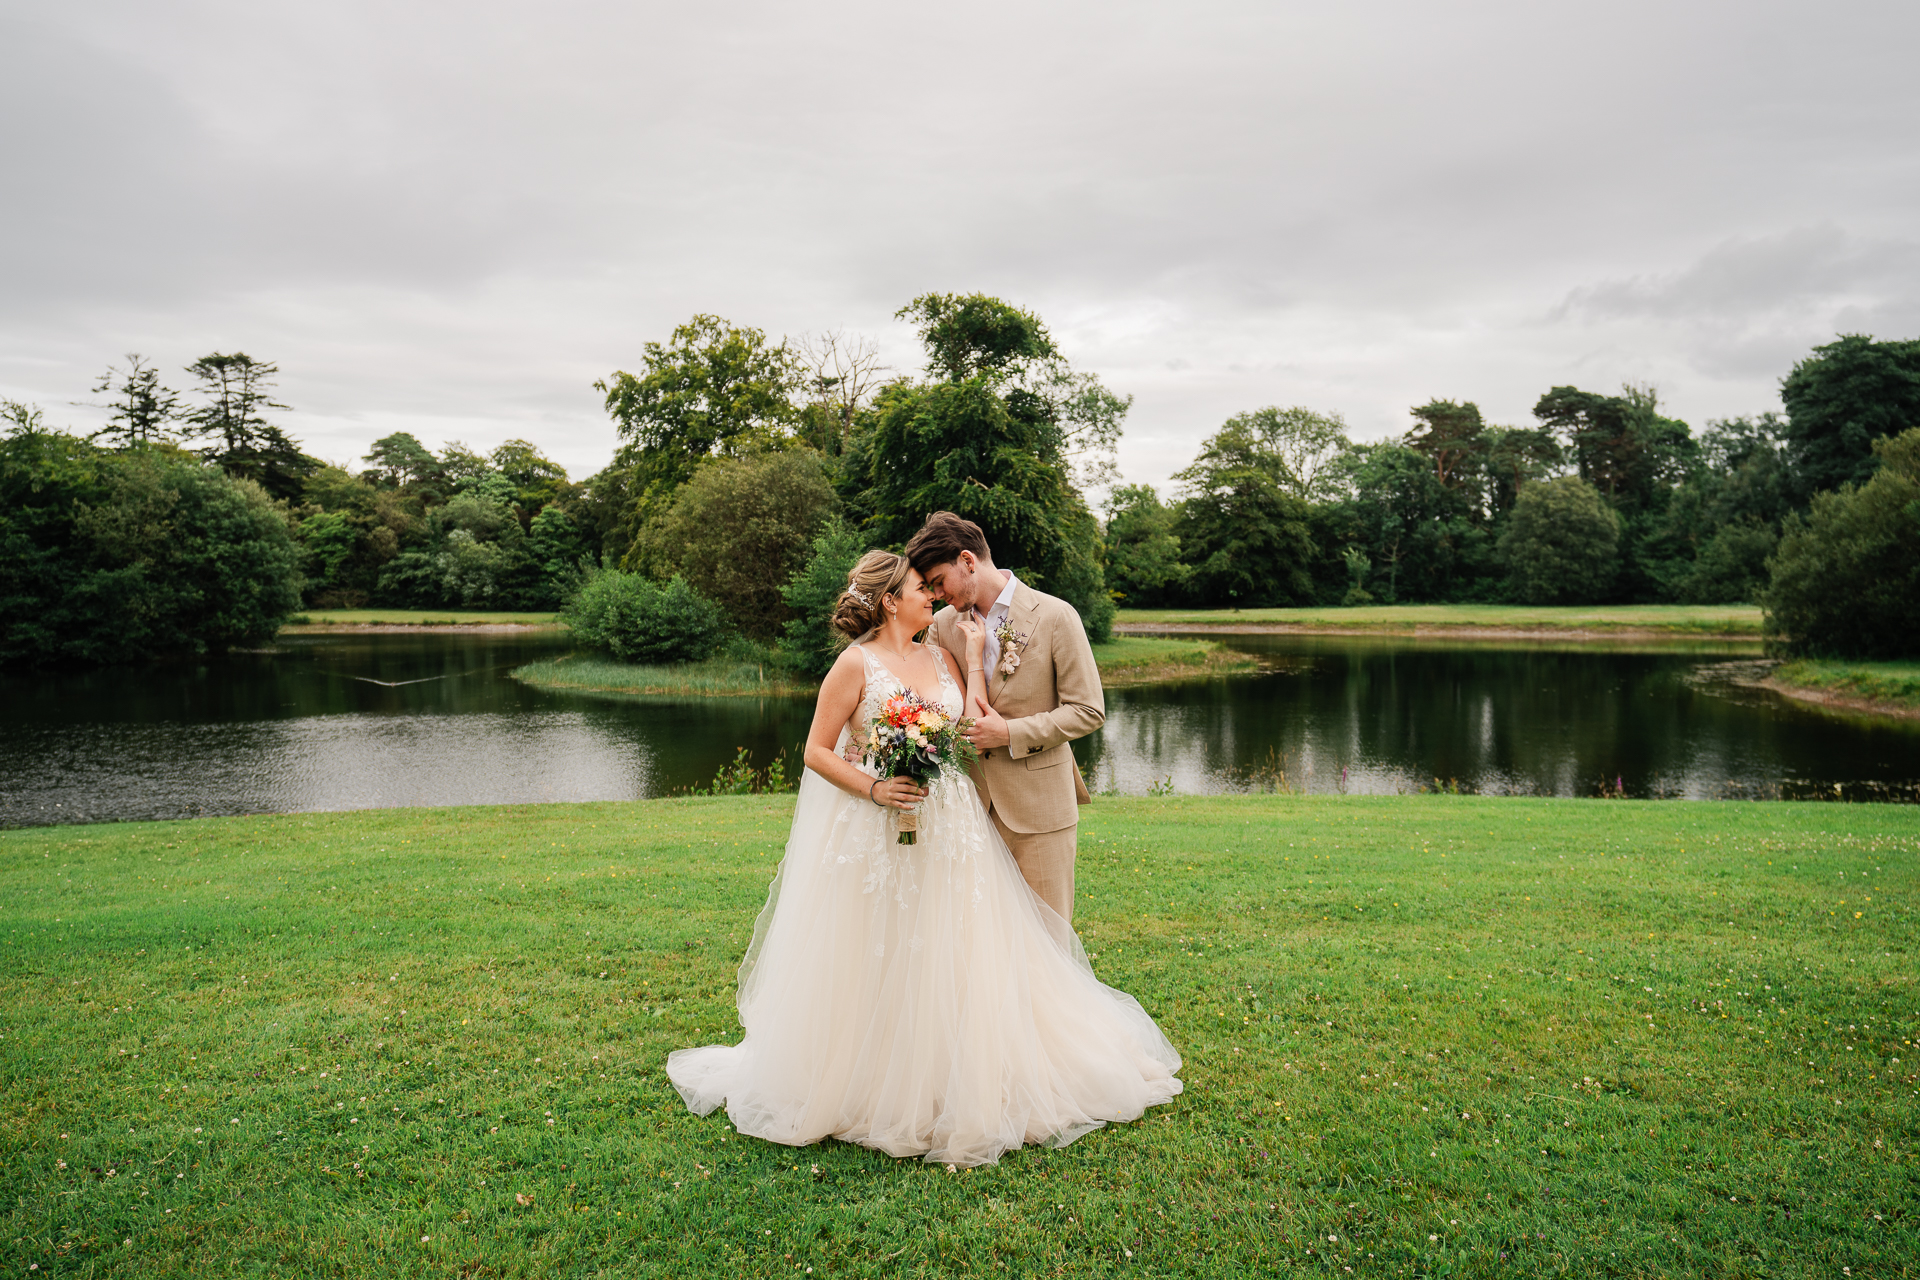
[
  {"x": 1143, "y": 553},
  {"x": 1297, "y": 447},
  {"x": 1620, "y": 444},
  {"x": 1846, "y": 577},
  {"x": 399, "y": 461},
  {"x": 983, "y": 443},
  {"x": 1839, "y": 400},
  {"x": 1514, "y": 456},
  {"x": 1562, "y": 544},
  {"x": 712, "y": 389},
  {"x": 143, "y": 410},
  {"x": 808, "y": 643},
  {"x": 1405, "y": 521},
  {"x": 638, "y": 620},
  {"x": 1243, "y": 530},
  {"x": 843, "y": 372},
  {"x": 237, "y": 390},
  {"x": 1450, "y": 436},
  {"x": 739, "y": 530},
  {"x": 120, "y": 557}
]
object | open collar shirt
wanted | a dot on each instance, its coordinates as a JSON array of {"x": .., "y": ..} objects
[{"x": 1002, "y": 606}]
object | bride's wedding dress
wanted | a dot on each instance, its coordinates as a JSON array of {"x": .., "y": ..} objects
[{"x": 920, "y": 999}]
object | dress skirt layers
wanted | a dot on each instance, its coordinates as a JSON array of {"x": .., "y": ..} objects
[{"x": 920, "y": 999}]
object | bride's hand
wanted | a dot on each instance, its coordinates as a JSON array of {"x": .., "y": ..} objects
[
  {"x": 898, "y": 793},
  {"x": 975, "y": 632}
]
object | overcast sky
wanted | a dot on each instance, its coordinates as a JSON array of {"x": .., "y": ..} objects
[{"x": 450, "y": 219}]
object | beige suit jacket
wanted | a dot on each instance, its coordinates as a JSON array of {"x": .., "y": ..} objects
[{"x": 1033, "y": 782}]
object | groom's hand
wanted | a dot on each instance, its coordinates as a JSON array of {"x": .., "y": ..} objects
[{"x": 989, "y": 732}]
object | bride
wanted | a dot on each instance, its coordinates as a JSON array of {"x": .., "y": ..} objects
[{"x": 917, "y": 999}]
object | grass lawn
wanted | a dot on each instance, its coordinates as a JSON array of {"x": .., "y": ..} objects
[
  {"x": 1424, "y": 1036},
  {"x": 1126, "y": 660},
  {"x": 418, "y": 618},
  {"x": 1893, "y": 683},
  {"x": 1687, "y": 619}
]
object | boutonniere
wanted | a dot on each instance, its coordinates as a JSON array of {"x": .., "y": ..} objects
[{"x": 1011, "y": 643}]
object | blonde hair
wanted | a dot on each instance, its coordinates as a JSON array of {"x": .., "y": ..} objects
[{"x": 859, "y": 609}]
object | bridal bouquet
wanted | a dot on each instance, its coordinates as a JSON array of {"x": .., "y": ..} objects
[{"x": 913, "y": 738}]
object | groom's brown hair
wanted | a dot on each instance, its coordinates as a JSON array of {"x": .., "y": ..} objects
[{"x": 941, "y": 540}]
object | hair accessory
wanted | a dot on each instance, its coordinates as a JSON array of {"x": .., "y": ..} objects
[{"x": 860, "y": 596}]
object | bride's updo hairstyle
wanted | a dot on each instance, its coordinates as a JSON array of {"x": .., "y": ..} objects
[{"x": 859, "y": 609}]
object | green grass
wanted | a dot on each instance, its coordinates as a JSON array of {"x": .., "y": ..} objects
[
  {"x": 1128, "y": 660},
  {"x": 1731, "y": 619},
  {"x": 714, "y": 678},
  {"x": 1894, "y": 683},
  {"x": 419, "y": 618},
  {"x": 1125, "y": 660},
  {"x": 1424, "y": 1036}
]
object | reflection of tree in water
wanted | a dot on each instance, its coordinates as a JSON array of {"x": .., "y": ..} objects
[{"x": 1504, "y": 720}]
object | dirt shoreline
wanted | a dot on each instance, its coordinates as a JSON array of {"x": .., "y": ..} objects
[
  {"x": 1840, "y": 701},
  {"x": 1464, "y": 631}
]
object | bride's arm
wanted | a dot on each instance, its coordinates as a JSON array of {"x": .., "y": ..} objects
[
  {"x": 974, "y": 635},
  {"x": 839, "y": 696}
]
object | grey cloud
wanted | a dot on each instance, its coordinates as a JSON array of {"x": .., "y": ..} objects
[{"x": 455, "y": 217}]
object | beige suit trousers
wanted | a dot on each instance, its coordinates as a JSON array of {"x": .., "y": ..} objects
[{"x": 1045, "y": 860}]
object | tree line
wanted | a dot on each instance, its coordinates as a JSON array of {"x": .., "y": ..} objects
[{"x": 750, "y": 471}]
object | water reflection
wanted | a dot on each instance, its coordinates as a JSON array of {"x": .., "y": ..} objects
[
  {"x": 1389, "y": 714},
  {"x": 347, "y": 722}
]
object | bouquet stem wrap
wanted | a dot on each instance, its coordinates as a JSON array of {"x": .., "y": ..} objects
[{"x": 907, "y": 823}]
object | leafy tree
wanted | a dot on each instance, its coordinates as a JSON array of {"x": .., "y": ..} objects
[
  {"x": 1407, "y": 523},
  {"x": 1449, "y": 435},
  {"x": 1297, "y": 446},
  {"x": 843, "y": 373},
  {"x": 712, "y": 389},
  {"x": 557, "y": 546},
  {"x": 1846, "y": 577},
  {"x": 237, "y": 391},
  {"x": 1242, "y": 528},
  {"x": 982, "y": 444},
  {"x": 638, "y": 620},
  {"x": 1513, "y": 457},
  {"x": 536, "y": 479},
  {"x": 1620, "y": 444},
  {"x": 143, "y": 409},
  {"x": 739, "y": 530},
  {"x": 399, "y": 461},
  {"x": 1562, "y": 543},
  {"x": 808, "y": 643},
  {"x": 118, "y": 557},
  {"x": 1840, "y": 399},
  {"x": 1730, "y": 567},
  {"x": 1143, "y": 553}
]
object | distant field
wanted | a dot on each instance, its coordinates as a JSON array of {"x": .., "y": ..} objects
[
  {"x": 1126, "y": 660},
  {"x": 419, "y": 618},
  {"x": 1718, "y": 619}
]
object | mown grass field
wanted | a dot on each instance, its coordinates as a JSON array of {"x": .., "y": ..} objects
[
  {"x": 1895, "y": 684},
  {"x": 1125, "y": 660},
  {"x": 1741, "y": 620},
  {"x": 1425, "y": 1036},
  {"x": 419, "y": 618}
]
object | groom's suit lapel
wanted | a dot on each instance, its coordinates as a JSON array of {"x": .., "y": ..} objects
[{"x": 1020, "y": 614}]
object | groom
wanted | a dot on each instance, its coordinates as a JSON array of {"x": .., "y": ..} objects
[{"x": 1043, "y": 689}]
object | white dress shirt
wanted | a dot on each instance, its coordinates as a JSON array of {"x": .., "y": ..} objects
[{"x": 1002, "y": 605}]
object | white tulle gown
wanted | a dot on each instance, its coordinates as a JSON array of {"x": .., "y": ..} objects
[{"x": 920, "y": 999}]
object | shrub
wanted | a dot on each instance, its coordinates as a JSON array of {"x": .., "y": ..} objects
[
  {"x": 1846, "y": 579},
  {"x": 1562, "y": 543},
  {"x": 808, "y": 645},
  {"x": 637, "y": 619}
]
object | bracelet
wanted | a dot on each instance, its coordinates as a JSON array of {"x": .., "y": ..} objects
[
  {"x": 981, "y": 670},
  {"x": 870, "y": 786}
]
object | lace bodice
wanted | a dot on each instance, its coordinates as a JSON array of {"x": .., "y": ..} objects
[{"x": 883, "y": 684}]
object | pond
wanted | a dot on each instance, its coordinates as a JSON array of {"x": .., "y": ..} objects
[{"x": 378, "y": 720}]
